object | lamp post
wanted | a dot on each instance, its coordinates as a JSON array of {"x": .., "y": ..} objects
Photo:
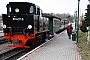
[{"x": 78, "y": 20}]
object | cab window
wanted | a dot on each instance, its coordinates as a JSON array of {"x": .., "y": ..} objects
[{"x": 31, "y": 9}]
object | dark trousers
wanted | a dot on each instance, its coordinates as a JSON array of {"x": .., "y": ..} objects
[{"x": 69, "y": 36}]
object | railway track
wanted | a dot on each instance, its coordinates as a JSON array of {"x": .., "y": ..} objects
[
  {"x": 15, "y": 53},
  {"x": 4, "y": 45},
  {"x": 3, "y": 40},
  {"x": 18, "y": 54},
  {"x": 10, "y": 53}
]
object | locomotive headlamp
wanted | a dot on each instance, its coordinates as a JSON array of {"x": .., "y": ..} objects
[
  {"x": 14, "y": 16},
  {"x": 29, "y": 26},
  {"x": 4, "y": 26},
  {"x": 17, "y": 10},
  {"x": 8, "y": 15}
]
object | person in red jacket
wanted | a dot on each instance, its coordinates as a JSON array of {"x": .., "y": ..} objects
[{"x": 69, "y": 30}]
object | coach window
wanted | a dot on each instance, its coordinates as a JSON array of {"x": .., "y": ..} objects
[{"x": 31, "y": 9}]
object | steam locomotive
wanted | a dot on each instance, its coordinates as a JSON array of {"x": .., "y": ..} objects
[{"x": 24, "y": 24}]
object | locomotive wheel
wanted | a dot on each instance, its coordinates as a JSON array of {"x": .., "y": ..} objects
[{"x": 30, "y": 42}]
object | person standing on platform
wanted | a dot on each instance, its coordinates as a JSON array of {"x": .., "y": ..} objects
[{"x": 69, "y": 30}]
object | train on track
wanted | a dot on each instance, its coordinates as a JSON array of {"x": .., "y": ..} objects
[{"x": 25, "y": 26}]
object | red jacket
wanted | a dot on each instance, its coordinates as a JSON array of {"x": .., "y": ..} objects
[{"x": 69, "y": 29}]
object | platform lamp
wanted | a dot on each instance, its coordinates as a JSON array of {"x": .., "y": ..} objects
[{"x": 78, "y": 19}]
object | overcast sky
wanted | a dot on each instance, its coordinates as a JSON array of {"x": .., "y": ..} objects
[{"x": 51, "y": 6}]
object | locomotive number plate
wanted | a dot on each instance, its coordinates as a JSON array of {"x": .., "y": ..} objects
[{"x": 18, "y": 19}]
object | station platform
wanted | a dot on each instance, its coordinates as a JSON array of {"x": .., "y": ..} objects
[{"x": 59, "y": 48}]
